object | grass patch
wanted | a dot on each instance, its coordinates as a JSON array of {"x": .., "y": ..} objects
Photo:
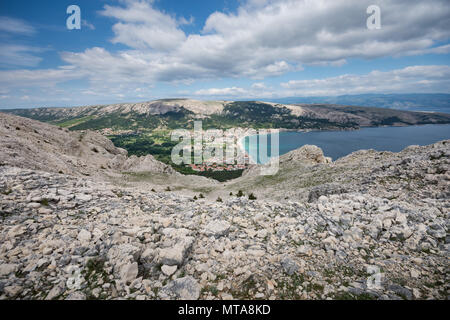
[
  {"x": 72, "y": 122},
  {"x": 248, "y": 289},
  {"x": 7, "y": 192},
  {"x": 212, "y": 289},
  {"x": 44, "y": 202},
  {"x": 288, "y": 287},
  {"x": 93, "y": 272}
]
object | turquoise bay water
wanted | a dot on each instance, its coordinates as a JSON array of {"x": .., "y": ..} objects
[{"x": 337, "y": 144}]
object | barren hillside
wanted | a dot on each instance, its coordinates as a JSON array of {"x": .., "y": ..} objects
[
  {"x": 35, "y": 145},
  {"x": 316, "y": 230}
]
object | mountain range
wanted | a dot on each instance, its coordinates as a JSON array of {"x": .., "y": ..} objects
[
  {"x": 432, "y": 102},
  {"x": 180, "y": 113}
]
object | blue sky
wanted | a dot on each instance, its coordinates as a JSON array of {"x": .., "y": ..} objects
[{"x": 139, "y": 50}]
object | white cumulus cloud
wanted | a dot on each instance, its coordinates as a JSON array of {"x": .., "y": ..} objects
[
  {"x": 417, "y": 79},
  {"x": 263, "y": 38},
  {"x": 270, "y": 38}
]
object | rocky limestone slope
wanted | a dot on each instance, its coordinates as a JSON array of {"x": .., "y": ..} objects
[
  {"x": 35, "y": 145},
  {"x": 156, "y": 107},
  {"x": 66, "y": 237},
  {"x": 305, "y": 174}
]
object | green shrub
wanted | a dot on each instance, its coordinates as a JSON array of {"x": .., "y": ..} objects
[{"x": 44, "y": 202}]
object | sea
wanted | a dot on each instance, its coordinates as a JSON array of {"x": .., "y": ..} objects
[{"x": 337, "y": 144}]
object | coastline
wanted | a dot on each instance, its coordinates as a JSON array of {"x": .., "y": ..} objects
[
  {"x": 241, "y": 145},
  {"x": 405, "y": 136}
]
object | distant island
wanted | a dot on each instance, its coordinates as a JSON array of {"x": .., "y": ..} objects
[{"x": 430, "y": 102}]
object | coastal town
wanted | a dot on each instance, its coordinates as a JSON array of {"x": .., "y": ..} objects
[
  {"x": 211, "y": 163},
  {"x": 231, "y": 140},
  {"x": 217, "y": 167}
]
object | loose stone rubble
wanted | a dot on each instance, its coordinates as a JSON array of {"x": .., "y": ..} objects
[{"x": 63, "y": 237}]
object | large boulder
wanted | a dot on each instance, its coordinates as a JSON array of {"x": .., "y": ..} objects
[
  {"x": 307, "y": 154},
  {"x": 176, "y": 254},
  {"x": 217, "y": 228}
]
